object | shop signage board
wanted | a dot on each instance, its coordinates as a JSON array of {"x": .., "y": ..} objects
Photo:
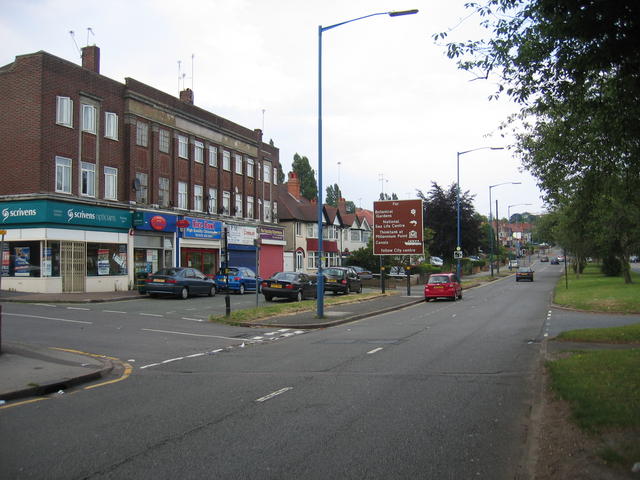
[
  {"x": 271, "y": 233},
  {"x": 203, "y": 229},
  {"x": 155, "y": 222},
  {"x": 240, "y": 235},
  {"x": 397, "y": 227},
  {"x": 63, "y": 214}
]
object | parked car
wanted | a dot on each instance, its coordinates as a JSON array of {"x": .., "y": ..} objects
[
  {"x": 555, "y": 261},
  {"x": 293, "y": 285},
  {"x": 178, "y": 281},
  {"x": 474, "y": 258},
  {"x": 241, "y": 279},
  {"x": 442, "y": 285},
  {"x": 341, "y": 280},
  {"x": 436, "y": 261},
  {"x": 524, "y": 273},
  {"x": 513, "y": 264},
  {"x": 544, "y": 259},
  {"x": 633, "y": 258},
  {"x": 397, "y": 271},
  {"x": 363, "y": 273}
]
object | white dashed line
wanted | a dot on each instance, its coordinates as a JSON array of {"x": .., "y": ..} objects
[
  {"x": 195, "y": 355},
  {"x": 48, "y": 318},
  {"x": 173, "y": 360},
  {"x": 193, "y": 319},
  {"x": 185, "y": 333},
  {"x": 374, "y": 351},
  {"x": 113, "y": 311},
  {"x": 273, "y": 394},
  {"x": 78, "y": 308},
  {"x": 151, "y": 314},
  {"x": 45, "y": 305}
]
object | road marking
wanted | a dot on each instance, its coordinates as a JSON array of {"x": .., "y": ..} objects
[
  {"x": 151, "y": 314},
  {"x": 374, "y": 351},
  {"x": 113, "y": 311},
  {"x": 274, "y": 394},
  {"x": 45, "y": 305},
  {"x": 127, "y": 368},
  {"x": 23, "y": 403},
  {"x": 150, "y": 365},
  {"x": 195, "y": 355},
  {"x": 185, "y": 333},
  {"x": 48, "y": 318},
  {"x": 173, "y": 360},
  {"x": 78, "y": 308},
  {"x": 193, "y": 319}
]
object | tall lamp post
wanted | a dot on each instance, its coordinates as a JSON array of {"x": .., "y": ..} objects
[
  {"x": 321, "y": 29},
  {"x": 509, "y": 215},
  {"x": 491, "y": 220},
  {"x": 458, "y": 242}
]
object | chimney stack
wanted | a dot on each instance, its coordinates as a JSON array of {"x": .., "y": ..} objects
[
  {"x": 293, "y": 185},
  {"x": 186, "y": 95},
  {"x": 91, "y": 58}
]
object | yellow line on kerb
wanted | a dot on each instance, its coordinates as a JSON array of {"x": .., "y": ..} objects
[
  {"x": 127, "y": 368},
  {"x": 24, "y": 402}
]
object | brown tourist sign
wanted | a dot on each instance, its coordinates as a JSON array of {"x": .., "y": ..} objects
[{"x": 397, "y": 227}]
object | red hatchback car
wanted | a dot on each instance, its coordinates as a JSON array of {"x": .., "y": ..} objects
[{"x": 442, "y": 285}]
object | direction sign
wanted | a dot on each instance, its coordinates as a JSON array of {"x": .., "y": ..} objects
[
  {"x": 397, "y": 227},
  {"x": 457, "y": 254}
]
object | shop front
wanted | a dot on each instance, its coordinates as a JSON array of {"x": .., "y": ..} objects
[
  {"x": 56, "y": 247},
  {"x": 272, "y": 245},
  {"x": 200, "y": 242},
  {"x": 153, "y": 242},
  {"x": 241, "y": 242}
]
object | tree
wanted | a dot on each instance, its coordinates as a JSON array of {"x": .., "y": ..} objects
[
  {"x": 333, "y": 195},
  {"x": 385, "y": 196},
  {"x": 440, "y": 216},
  {"x": 306, "y": 175},
  {"x": 281, "y": 178},
  {"x": 573, "y": 67}
]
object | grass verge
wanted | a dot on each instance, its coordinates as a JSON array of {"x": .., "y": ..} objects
[
  {"x": 593, "y": 291},
  {"x": 624, "y": 334},
  {"x": 602, "y": 388},
  {"x": 277, "y": 309}
]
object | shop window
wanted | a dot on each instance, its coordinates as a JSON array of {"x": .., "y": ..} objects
[
  {"x": 21, "y": 259},
  {"x": 106, "y": 259}
]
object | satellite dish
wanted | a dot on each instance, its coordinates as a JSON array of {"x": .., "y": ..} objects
[{"x": 136, "y": 184}]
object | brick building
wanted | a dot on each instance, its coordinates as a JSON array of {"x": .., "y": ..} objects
[{"x": 104, "y": 180}]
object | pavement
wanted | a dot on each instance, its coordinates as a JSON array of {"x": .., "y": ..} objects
[{"x": 32, "y": 370}]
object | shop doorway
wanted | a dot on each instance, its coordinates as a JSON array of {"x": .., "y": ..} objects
[
  {"x": 205, "y": 260},
  {"x": 73, "y": 266}
]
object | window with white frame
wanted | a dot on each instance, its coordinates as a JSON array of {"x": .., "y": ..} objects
[
  {"x": 213, "y": 200},
  {"x": 299, "y": 260},
  {"x": 298, "y": 229},
  {"x": 238, "y": 164},
  {"x": 259, "y": 208},
  {"x": 259, "y": 170},
  {"x": 250, "y": 210},
  {"x": 238, "y": 205},
  {"x": 110, "y": 183},
  {"x": 183, "y": 146},
  {"x": 356, "y": 235},
  {"x": 88, "y": 118},
  {"x": 182, "y": 195},
  {"x": 226, "y": 203},
  {"x": 365, "y": 236},
  {"x": 164, "y": 139},
  {"x": 88, "y": 179},
  {"x": 267, "y": 211},
  {"x": 111, "y": 125},
  {"x": 267, "y": 172},
  {"x": 143, "y": 187},
  {"x": 64, "y": 111},
  {"x": 275, "y": 176},
  {"x": 197, "y": 198},
  {"x": 250, "y": 167},
  {"x": 198, "y": 153},
  {"x": 333, "y": 259},
  {"x": 164, "y": 196},
  {"x": 312, "y": 230},
  {"x": 142, "y": 134},
  {"x": 63, "y": 175},
  {"x": 275, "y": 212},
  {"x": 213, "y": 156},
  {"x": 226, "y": 160},
  {"x": 312, "y": 259}
]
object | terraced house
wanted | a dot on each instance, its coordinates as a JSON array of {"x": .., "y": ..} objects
[{"x": 105, "y": 181}]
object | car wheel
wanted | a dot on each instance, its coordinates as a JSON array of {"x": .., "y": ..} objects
[
  {"x": 241, "y": 289},
  {"x": 348, "y": 290},
  {"x": 184, "y": 293},
  {"x": 360, "y": 289},
  {"x": 299, "y": 296},
  {"x": 212, "y": 292},
  {"x": 268, "y": 298},
  {"x": 141, "y": 292},
  {"x": 460, "y": 296}
]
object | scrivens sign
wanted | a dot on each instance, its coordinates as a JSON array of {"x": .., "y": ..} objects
[{"x": 397, "y": 227}]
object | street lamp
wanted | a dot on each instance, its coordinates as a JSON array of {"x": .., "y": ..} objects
[
  {"x": 320, "y": 286},
  {"x": 458, "y": 243},
  {"x": 490, "y": 220}
]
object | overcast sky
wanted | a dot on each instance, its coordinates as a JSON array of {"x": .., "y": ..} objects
[{"x": 395, "y": 107}]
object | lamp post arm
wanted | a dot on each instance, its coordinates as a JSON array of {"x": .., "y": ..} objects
[{"x": 391, "y": 14}]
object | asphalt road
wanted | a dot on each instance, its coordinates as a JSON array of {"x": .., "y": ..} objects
[{"x": 438, "y": 390}]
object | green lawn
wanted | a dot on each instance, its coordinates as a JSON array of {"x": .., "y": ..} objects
[
  {"x": 624, "y": 334},
  {"x": 595, "y": 292}
]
